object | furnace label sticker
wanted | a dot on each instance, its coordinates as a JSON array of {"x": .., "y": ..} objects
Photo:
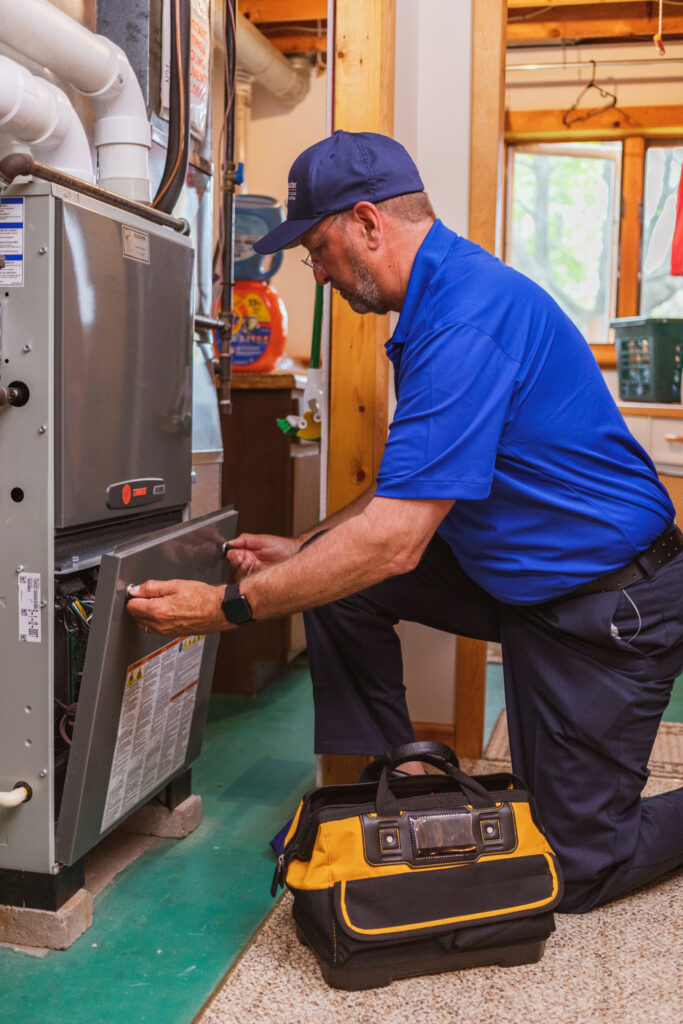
[
  {"x": 29, "y": 607},
  {"x": 159, "y": 698},
  {"x": 12, "y": 242},
  {"x": 135, "y": 244}
]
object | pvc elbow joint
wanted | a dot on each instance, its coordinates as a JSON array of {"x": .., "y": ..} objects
[{"x": 18, "y": 795}]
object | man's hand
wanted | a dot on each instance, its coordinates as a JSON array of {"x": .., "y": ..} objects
[
  {"x": 252, "y": 551},
  {"x": 177, "y": 607}
]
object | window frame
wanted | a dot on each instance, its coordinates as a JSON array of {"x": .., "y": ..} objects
[
  {"x": 567, "y": 148},
  {"x": 635, "y": 127}
]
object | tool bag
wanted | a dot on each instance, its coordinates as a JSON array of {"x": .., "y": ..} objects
[{"x": 399, "y": 876}]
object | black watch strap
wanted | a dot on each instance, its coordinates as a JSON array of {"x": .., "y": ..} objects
[{"x": 235, "y": 606}]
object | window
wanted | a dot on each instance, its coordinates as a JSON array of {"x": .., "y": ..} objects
[
  {"x": 563, "y": 226},
  {"x": 661, "y": 294}
]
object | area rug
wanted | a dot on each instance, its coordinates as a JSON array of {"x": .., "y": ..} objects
[
  {"x": 667, "y": 753},
  {"x": 619, "y": 964}
]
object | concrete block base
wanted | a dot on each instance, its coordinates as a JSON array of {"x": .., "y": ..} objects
[
  {"x": 50, "y": 929},
  {"x": 156, "y": 820}
]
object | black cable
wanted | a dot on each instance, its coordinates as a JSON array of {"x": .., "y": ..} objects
[{"x": 178, "y": 152}]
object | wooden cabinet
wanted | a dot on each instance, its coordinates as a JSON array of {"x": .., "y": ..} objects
[
  {"x": 273, "y": 480},
  {"x": 659, "y": 428}
]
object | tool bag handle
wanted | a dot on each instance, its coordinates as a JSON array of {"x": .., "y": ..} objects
[{"x": 437, "y": 754}]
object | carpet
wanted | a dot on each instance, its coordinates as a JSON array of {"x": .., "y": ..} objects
[
  {"x": 667, "y": 753},
  {"x": 619, "y": 964}
]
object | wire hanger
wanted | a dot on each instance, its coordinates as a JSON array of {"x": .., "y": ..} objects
[{"x": 609, "y": 97}]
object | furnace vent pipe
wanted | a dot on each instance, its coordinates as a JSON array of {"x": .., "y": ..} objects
[
  {"x": 100, "y": 70},
  {"x": 287, "y": 80},
  {"x": 36, "y": 114}
]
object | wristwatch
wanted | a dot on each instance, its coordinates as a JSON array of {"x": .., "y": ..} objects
[{"x": 235, "y": 606}]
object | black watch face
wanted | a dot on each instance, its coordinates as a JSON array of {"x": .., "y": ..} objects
[{"x": 237, "y": 610}]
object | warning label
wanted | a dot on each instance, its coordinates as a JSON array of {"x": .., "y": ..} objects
[
  {"x": 154, "y": 725},
  {"x": 29, "y": 607},
  {"x": 12, "y": 242}
]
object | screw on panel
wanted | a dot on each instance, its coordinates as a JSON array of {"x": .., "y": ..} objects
[
  {"x": 42, "y": 428},
  {"x": 43, "y": 603},
  {"x": 20, "y": 568},
  {"x": 27, "y": 348},
  {"x": 42, "y": 250},
  {"x": 42, "y": 773}
]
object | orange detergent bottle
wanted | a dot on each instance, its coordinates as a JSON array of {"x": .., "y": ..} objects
[{"x": 260, "y": 327}]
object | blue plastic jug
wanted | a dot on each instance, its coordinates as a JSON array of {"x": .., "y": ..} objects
[{"x": 254, "y": 217}]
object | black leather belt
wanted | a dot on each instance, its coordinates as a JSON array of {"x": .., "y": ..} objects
[{"x": 648, "y": 562}]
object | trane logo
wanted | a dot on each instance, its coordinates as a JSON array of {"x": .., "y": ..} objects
[{"x": 130, "y": 493}]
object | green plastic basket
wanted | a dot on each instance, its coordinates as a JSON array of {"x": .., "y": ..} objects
[{"x": 649, "y": 358}]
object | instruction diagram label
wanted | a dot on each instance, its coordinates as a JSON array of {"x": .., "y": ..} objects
[
  {"x": 29, "y": 607},
  {"x": 154, "y": 725},
  {"x": 12, "y": 242}
]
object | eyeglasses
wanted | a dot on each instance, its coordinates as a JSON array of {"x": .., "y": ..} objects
[{"x": 310, "y": 262}]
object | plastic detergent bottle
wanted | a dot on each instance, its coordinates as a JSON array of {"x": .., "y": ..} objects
[
  {"x": 255, "y": 216},
  {"x": 260, "y": 327}
]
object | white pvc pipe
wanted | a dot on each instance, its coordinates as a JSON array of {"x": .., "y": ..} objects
[
  {"x": 100, "y": 70},
  {"x": 290, "y": 82},
  {"x": 13, "y": 797},
  {"x": 35, "y": 114}
]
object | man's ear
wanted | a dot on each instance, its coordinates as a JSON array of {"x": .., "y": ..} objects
[{"x": 368, "y": 218}]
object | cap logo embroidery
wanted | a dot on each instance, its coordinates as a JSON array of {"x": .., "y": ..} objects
[{"x": 291, "y": 191}]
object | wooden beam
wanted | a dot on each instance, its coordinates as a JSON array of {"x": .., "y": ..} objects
[
  {"x": 283, "y": 10},
  {"x": 633, "y": 180},
  {"x": 485, "y": 227},
  {"x": 488, "y": 112},
  {"x": 363, "y": 101},
  {"x": 617, "y": 123},
  {"x": 599, "y": 25},
  {"x": 470, "y": 697},
  {"x": 529, "y": 4}
]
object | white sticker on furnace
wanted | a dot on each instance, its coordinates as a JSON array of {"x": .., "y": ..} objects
[
  {"x": 29, "y": 607},
  {"x": 12, "y": 242},
  {"x": 135, "y": 244},
  {"x": 159, "y": 697}
]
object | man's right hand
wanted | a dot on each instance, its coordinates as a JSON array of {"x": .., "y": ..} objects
[{"x": 253, "y": 551}]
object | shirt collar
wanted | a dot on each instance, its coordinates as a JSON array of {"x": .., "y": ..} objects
[{"x": 427, "y": 261}]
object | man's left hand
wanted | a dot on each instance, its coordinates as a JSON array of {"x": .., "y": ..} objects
[{"x": 177, "y": 607}]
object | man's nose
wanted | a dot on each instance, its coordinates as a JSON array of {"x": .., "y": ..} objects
[{"x": 320, "y": 274}]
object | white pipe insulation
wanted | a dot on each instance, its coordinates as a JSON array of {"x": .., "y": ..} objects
[
  {"x": 98, "y": 69},
  {"x": 288, "y": 81},
  {"x": 35, "y": 114}
]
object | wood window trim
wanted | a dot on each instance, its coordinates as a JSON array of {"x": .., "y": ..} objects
[{"x": 634, "y": 126}]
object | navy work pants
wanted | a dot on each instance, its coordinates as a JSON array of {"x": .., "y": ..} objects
[{"x": 586, "y": 682}]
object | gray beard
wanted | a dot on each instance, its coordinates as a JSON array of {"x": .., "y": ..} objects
[{"x": 365, "y": 298}]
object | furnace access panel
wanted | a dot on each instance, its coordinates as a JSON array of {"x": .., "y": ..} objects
[{"x": 96, "y": 343}]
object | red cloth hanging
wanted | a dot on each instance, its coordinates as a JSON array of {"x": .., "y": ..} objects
[{"x": 677, "y": 243}]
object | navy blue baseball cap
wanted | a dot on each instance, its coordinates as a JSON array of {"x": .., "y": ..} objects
[{"x": 333, "y": 175}]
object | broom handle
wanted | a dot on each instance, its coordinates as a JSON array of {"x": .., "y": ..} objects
[{"x": 317, "y": 327}]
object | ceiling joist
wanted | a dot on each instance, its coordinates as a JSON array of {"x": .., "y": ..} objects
[{"x": 260, "y": 11}]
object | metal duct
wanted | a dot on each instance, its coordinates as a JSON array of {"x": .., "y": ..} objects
[{"x": 287, "y": 80}]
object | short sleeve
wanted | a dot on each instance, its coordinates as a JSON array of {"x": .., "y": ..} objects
[{"x": 455, "y": 388}]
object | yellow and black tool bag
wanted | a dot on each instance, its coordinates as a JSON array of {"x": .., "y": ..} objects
[{"x": 399, "y": 876}]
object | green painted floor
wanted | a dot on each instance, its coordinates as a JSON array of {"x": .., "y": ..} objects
[{"x": 169, "y": 926}]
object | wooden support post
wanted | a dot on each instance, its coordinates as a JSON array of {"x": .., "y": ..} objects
[
  {"x": 633, "y": 175},
  {"x": 485, "y": 228},
  {"x": 364, "y": 32}
]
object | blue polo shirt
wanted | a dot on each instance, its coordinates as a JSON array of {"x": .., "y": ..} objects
[{"x": 501, "y": 405}]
